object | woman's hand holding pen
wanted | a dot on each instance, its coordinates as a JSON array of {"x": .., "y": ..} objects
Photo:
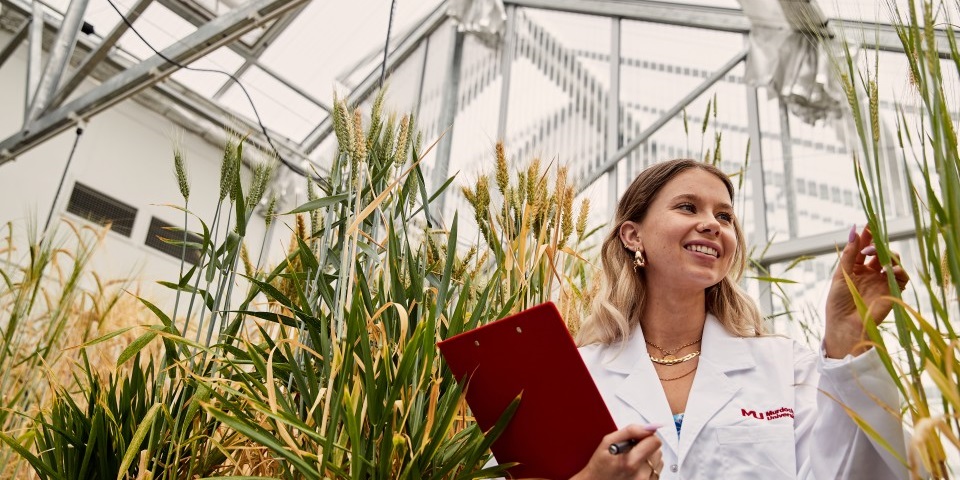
[
  {"x": 642, "y": 460},
  {"x": 845, "y": 332}
]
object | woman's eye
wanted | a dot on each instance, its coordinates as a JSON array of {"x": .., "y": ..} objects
[
  {"x": 725, "y": 217},
  {"x": 687, "y": 206}
]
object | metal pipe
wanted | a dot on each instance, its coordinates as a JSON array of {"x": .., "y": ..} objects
[
  {"x": 34, "y": 59},
  {"x": 613, "y": 115},
  {"x": 448, "y": 113},
  {"x": 755, "y": 176},
  {"x": 103, "y": 49},
  {"x": 59, "y": 57},
  {"x": 789, "y": 190},
  {"x": 506, "y": 65}
]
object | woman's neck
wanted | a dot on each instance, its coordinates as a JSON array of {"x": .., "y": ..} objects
[{"x": 673, "y": 319}]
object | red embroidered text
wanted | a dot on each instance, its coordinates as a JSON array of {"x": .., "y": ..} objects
[{"x": 769, "y": 414}]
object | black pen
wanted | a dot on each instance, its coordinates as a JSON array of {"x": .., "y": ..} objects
[{"x": 622, "y": 447}]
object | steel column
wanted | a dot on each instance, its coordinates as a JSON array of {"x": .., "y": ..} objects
[
  {"x": 423, "y": 76},
  {"x": 507, "y": 55},
  {"x": 613, "y": 116},
  {"x": 789, "y": 189},
  {"x": 759, "y": 202},
  {"x": 448, "y": 114}
]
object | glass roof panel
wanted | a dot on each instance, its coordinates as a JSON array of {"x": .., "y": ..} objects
[
  {"x": 328, "y": 38},
  {"x": 207, "y": 83},
  {"x": 662, "y": 63},
  {"x": 280, "y": 108},
  {"x": 219, "y": 7},
  {"x": 158, "y": 26},
  {"x": 100, "y": 14}
]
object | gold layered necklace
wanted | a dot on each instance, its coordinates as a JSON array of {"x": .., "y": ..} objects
[
  {"x": 670, "y": 356},
  {"x": 678, "y": 377}
]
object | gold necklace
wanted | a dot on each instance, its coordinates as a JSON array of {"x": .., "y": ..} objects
[
  {"x": 674, "y": 361},
  {"x": 671, "y": 352},
  {"x": 670, "y": 379}
]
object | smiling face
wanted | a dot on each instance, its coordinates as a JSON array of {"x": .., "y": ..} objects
[{"x": 687, "y": 234}]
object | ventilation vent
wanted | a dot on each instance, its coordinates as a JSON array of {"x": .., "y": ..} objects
[
  {"x": 103, "y": 209},
  {"x": 162, "y": 237}
]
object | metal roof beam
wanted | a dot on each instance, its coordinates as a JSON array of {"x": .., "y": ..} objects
[
  {"x": 14, "y": 43},
  {"x": 882, "y": 36},
  {"x": 198, "y": 16},
  {"x": 60, "y": 53},
  {"x": 698, "y": 16},
  {"x": 103, "y": 49},
  {"x": 147, "y": 73}
]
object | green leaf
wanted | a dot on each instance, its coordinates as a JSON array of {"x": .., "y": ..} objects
[
  {"x": 43, "y": 470},
  {"x": 106, "y": 337},
  {"x": 135, "y": 347},
  {"x": 319, "y": 203},
  {"x": 773, "y": 279},
  {"x": 133, "y": 449}
]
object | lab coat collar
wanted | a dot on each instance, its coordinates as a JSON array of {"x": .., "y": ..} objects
[
  {"x": 721, "y": 354},
  {"x": 711, "y": 390}
]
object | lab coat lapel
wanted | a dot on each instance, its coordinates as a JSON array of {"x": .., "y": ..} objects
[
  {"x": 640, "y": 389},
  {"x": 712, "y": 388}
]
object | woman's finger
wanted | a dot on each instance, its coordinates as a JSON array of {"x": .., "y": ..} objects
[
  {"x": 632, "y": 431},
  {"x": 894, "y": 258},
  {"x": 866, "y": 237},
  {"x": 900, "y": 275},
  {"x": 850, "y": 255},
  {"x": 624, "y": 439},
  {"x": 657, "y": 460},
  {"x": 643, "y": 451}
]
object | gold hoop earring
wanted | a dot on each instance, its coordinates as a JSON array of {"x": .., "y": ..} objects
[{"x": 639, "y": 261}]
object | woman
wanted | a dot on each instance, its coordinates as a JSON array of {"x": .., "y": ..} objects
[{"x": 678, "y": 352}]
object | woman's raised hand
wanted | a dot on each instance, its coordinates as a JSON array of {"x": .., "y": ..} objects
[
  {"x": 643, "y": 461},
  {"x": 845, "y": 333}
]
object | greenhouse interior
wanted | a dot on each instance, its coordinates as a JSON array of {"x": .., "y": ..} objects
[{"x": 234, "y": 233}]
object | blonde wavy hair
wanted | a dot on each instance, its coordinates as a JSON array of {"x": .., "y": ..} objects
[{"x": 617, "y": 308}]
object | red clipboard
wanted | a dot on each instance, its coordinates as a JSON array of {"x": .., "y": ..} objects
[{"x": 561, "y": 418}]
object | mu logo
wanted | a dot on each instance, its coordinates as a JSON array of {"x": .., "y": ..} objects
[{"x": 767, "y": 415}]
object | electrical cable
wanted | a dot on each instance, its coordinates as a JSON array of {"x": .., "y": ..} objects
[
  {"x": 386, "y": 44},
  {"x": 63, "y": 177},
  {"x": 296, "y": 169}
]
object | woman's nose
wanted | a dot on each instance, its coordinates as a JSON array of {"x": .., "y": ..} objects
[{"x": 709, "y": 227}]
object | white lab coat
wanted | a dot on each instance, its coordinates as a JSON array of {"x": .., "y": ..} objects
[{"x": 755, "y": 411}]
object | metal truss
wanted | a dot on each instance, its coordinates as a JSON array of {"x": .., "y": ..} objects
[
  {"x": 670, "y": 114},
  {"x": 197, "y": 15},
  {"x": 220, "y": 31}
]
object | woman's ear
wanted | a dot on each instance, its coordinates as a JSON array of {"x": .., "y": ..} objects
[{"x": 630, "y": 235}]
